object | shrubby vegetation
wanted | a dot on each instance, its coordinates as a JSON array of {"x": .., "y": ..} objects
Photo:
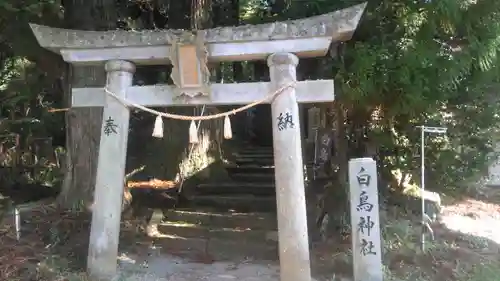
[{"x": 409, "y": 63}]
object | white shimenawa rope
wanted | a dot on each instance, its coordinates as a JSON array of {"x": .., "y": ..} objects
[{"x": 193, "y": 132}]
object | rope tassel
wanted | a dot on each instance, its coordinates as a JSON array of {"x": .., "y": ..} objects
[
  {"x": 158, "y": 128},
  {"x": 193, "y": 133},
  {"x": 228, "y": 131}
]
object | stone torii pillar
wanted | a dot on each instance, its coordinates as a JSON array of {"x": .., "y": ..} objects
[
  {"x": 105, "y": 227},
  {"x": 289, "y": 176}
]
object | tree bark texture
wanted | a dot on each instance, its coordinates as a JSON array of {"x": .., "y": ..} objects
[
  {"x": 201, "y": 11},
  {"x": 173, "y": 157},
  {"x": 83, "y": 125}
]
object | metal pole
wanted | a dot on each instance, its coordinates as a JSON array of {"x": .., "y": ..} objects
[
  {"x": 433, "y": 130},
  {"x": 17, "y": 219},
  {"x": 422, "y": 183}
]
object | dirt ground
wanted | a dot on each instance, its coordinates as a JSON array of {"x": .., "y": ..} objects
[{"x": 53, "y": 246}]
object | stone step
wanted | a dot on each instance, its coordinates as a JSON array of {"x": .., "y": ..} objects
[
  {"x": 195, "y": 247},
  {"x": 240, "y": 161},
  {"x": 256, "y": 169},
  {"x": 254, "y": 155},
  {"x": 253, "y": 169},
  {"x": 239, "y": 203},
  {"x": 185, "y": 230},
  {"x": 248, "y": 177},
  {"x": 259, "y": 189},
  {"x": 213, "y": 218},
  {"x": 257, "y": 149}
]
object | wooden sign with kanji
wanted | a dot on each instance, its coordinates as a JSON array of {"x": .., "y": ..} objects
[{"x": 190, "y": 73}]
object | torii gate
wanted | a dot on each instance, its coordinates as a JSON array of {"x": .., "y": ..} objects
[{"x": 281, "y": 43}]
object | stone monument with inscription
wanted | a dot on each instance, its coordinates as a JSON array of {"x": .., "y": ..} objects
[
  {"x": 280, "y": 43},
  {"x": 365, "y": 220}
]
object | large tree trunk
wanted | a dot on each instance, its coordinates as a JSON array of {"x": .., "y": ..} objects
[
  {"x": 172, "y": 157},
  {"x": 201, "y": 14},
  {"x": 334, "y": 215},
  {"x": 83, "y": 125},
  {"x": 209, "y": 148}
]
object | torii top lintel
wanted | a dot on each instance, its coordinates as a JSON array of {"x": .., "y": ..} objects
[{"x": 309, "y": 37}]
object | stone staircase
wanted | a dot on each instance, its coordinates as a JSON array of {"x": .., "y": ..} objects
[
  {"x": 251, "y": 188},
  {"x": 219, "y": 235},
  {"x": 237, "y": 217}
]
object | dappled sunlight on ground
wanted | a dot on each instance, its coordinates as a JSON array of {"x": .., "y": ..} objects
[
  {"x": 159, "y": 267},
  {"x": 466, "y": 247},
  {"x": 473, "y": 207},
  {"x": 475, "y": 217},
  {"x": 484, "y": 227}
]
